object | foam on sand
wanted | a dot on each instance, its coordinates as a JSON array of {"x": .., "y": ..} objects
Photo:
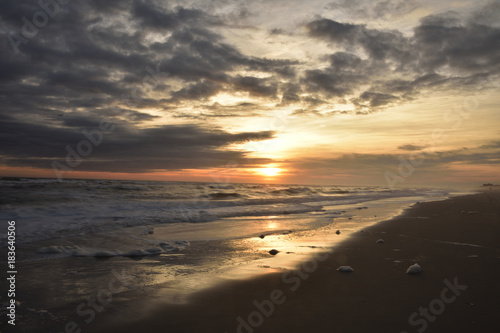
[{"x": 77, "y": 251}]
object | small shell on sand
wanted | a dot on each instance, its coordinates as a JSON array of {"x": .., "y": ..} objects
[
  {"x": 337, "y": 232},
  {"x": 274, "y": 252},
  {"x": 345, "y": 269},
  {"x": 414, "y": 269},
  {"x": 380, "y": 241}
]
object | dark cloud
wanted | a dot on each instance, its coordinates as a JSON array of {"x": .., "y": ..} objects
[
  {"x": 381, "y": 45},
  {"x": 255, "y": 86},
  {"x": 398, "y": 68},
  {"x": 111, "y": 59},
  {"x": 331, "y": 83},
  {"x": 468, "y": 48},
  {"x": 290, "y": 94},
  {"x": 343, "y": 61},
  {"x": 106, "y": 49},
  {"x": 388, "y": 52},
  {"x": 334, "y": 31},
  {"x": 197, "y": 91},
  {"x": 82, "y": 120},
  {"x": 102, "y": 60},
  {"x": 125, "y": 149},
  {"x": 374, "y": 100},
  {"x": 155, "y": 17}
]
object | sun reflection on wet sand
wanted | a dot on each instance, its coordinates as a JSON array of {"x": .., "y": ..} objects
[{"x": 235, "y": 248}]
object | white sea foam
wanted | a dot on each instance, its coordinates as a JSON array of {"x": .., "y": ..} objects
[
  {"x": 79, "y": 251},
  {"x": 47, "y": 209}
]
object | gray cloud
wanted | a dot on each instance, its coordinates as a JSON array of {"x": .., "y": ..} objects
[
  {"x": 468, "y": 48},
  {"x": 154, "y": 17},
  {"x": 399, "y": 68},
  {"x": 94, "y": 57},
  {"x": 197, "y": 91},
  {"x": 374, "y": 100},
  {"x": 126, "y": 149}
]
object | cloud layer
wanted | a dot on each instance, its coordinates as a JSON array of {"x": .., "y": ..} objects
[{"x": 64, "y": 71}]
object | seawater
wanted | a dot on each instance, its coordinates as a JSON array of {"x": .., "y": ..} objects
[
  {"x": 184, "y": 236},
  {"x": 49, "y": 208}
]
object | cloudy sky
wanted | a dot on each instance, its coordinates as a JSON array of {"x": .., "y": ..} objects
[{"x": 388, "y": 92}]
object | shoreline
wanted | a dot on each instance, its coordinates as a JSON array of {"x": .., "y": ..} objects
[
  {"x": 453, "y": 248},
  {"x": 145, "y": 305}
]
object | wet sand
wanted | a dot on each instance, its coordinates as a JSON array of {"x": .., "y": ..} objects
[{"x": 456, "y": 242}]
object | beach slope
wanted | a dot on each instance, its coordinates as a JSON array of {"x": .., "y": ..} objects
[{"x": 455, "y": 242}]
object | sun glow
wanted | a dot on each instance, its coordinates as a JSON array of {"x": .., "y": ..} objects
[{"x": 269, "y": 171}]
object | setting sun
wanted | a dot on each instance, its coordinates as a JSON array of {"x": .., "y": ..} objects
[{"x": 269, "y": 172}]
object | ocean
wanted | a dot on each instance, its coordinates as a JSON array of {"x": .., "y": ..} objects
[
  {"x": 49, "y": 208},
  {"x": 175, "y": 238}
]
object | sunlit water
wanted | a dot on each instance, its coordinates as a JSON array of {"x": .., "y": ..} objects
[
  {"x": 173, "y": 239},
  {"x": 178, "y": 238}
]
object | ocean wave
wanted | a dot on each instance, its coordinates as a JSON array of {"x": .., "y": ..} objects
[
  {"x": 336, "y": 192},
  {"x": 294, "y": 191},
  {"x": 73, "y": 207},
  {"x": 223, "y": 195},
  {"x": 77, "y": 251},
  {"x": 129, "y": 187}
]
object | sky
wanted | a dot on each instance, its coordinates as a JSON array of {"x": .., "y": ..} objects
[{"x": 393, "y": 93}]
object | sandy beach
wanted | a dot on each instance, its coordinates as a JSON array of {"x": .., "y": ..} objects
[{"x": 454, "y": 241}]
